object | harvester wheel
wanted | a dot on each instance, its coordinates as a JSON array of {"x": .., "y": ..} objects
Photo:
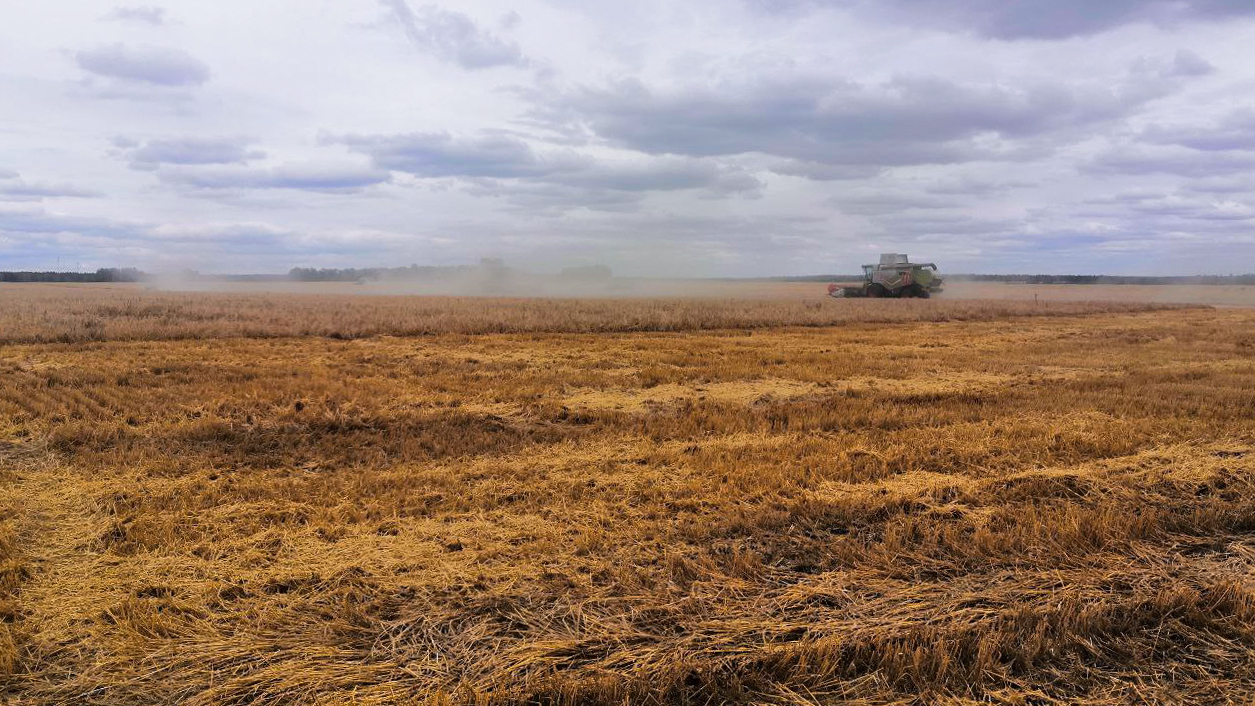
[
  {"x": 921, "y": 292},
  {"x": 915, "y": 291},
  {"x": 877, "y": 290}
]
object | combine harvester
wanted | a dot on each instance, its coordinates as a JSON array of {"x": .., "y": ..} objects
[{"x": 895, "y": 276}]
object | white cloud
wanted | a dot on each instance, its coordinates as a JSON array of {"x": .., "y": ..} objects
[
  {"x": 143, "y": 14},
  {"x": 454, "y": 37},
  {"x": 305, "y": 176}
]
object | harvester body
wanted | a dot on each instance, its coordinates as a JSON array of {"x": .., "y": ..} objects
[{"x": 894, "y": 276}]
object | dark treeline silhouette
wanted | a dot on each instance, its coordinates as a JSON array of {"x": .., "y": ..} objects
[
  {"x": 354, "y": 274},
  {"x": 487, "y": 266},
  {"x": 491, "y": 266},
  {"x": 593, "y": 272},
  {"x": 104, "y": 274},
  {"x": 1105, "y": 279},
  {"x": 1247, "y": 279}
]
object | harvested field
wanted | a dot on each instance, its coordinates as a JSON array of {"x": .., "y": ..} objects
[
  {"x": 1208, "y": 294},
  {"x": 944, "y": 502},
  {"x": 67, "y": 313}
]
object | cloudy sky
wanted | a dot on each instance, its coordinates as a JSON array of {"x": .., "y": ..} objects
[{"x": 705, "y": 137}]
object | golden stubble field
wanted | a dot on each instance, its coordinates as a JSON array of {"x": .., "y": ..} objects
[
  {"x": 967, "y": 505},
  {"x": 64, "y": 313}
]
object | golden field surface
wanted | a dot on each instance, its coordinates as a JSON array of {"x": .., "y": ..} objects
[
  {"x": 314, "y": 499},
  {"x": 36, "y": 313}
]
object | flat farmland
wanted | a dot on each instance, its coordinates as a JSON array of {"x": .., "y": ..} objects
[
  {"x": 319, "y": 499},
  {"x": 36, "y": 313}
]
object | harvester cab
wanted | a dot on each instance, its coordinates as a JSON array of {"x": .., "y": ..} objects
[{"x": 894, "y": 276}]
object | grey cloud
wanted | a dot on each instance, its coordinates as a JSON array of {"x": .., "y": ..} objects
[
  {"x": 28, "y": 191},
  {"x": 223, "y": 163},
  {"x": 1179, "y": 68},
  {"x": 1127, "y": 197},
  {"x": 511, "y": 20},
  {"x": 145, "y": 65},
  {"x": 826, "y": 121},
  {"x": 454, "y": 37},
  {"x": 443, "y": 155},
  {"x": 1181, "y": 161},
  {"x": 15, "y": 188},
  {"x": 1235, "y": 131},
  {"x": 188, "y": 150},
  {"x": 501, "y": 156},
  {"x": 610, "y": 191},
  {"x": 1041, "y": 19},
  {"x": 303, "y": 177},
  {"x": 147, "y": 14},
  {"x": 1222, "y": 185},
  {"x": 1188, "y": 63}
]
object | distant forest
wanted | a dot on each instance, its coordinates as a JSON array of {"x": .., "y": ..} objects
[
  {"x": 1248, "y": 279},
  {"x": 1105, "y": 279},
  {"x": 361, "y": 274},
  {"x": 594, "y": 272},
  {"x": 488, "y": 266},
  {"x": 104, "y": 274}
]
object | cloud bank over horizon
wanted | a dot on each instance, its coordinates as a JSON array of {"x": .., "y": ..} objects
[{"x": 754, "y": 137}]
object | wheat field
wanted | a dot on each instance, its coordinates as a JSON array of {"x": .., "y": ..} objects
[
  {"x": 64, "y": 313},
  {"x": 399, "y": 501}
]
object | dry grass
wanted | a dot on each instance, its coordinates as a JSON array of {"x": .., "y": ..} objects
[
  {"x": 68, "y": 313},
  {"x": 1021, "y": 511}
]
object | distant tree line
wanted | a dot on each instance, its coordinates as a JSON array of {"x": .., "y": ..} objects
[
  {"x": 592, "y": 272},
  {"x": 1248, "y": 279},
  {"x": 488, "y": 266},
  {"x": 371, "y": 274},
  {"x": 104, "y": 274},
  {"x": 334, "y": 274},
  {"x": 1105, "y": 279}
]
